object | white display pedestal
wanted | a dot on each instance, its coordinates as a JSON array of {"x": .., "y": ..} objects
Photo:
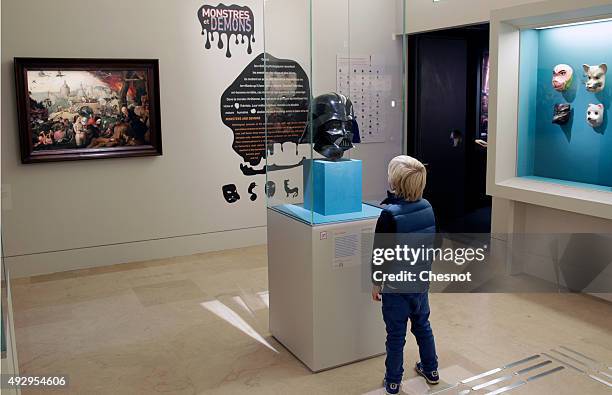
[{"x": 319, "y": 308}]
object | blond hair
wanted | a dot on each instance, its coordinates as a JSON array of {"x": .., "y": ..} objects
[{"x": 407, "y": 177}]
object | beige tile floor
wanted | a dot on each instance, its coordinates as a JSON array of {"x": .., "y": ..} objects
[{"x": 198, "y": 325}]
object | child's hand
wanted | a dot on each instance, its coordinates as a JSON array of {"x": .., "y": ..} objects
[{"x": 376, "y": 293}]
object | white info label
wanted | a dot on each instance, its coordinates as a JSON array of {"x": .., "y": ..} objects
[{"x": 347, "y": 249}]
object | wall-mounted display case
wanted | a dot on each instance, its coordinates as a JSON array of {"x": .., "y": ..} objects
[
  {"x": 563, "y": 134},
  {"x": 550, "y": 142}
]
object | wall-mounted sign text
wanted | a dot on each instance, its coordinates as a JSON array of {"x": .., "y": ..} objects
[
  {"x": 267, "y": 104},
  {"x": 229, "y": 23}
]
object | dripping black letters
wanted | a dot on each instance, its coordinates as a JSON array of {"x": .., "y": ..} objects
[{"x": 227, "y": 21}]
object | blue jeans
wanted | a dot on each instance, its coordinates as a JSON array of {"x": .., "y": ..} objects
[{"x": 397, "y": 309}]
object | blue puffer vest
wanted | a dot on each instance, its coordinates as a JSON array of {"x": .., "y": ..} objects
[
  {"x": 402, "y": 216},
  {"x": 404, "y": 223}
]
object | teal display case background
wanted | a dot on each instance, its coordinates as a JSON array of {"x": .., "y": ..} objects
[{"x": 573, "y": 154}]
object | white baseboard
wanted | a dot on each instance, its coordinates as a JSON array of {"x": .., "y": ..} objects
[
  {"x": 606, "y": 297},
  {"x": 84, "y": 258}
]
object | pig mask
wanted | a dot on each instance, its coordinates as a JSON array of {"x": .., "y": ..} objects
[
  {"x": 563, "y": 75},
  {"x": 595, "y": 115},
  {"x": 596, "y": 77}
]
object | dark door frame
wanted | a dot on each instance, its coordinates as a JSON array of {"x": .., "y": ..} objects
[
  {"x": 477, "y": 38},
  {"x": 478, "y": 45}
]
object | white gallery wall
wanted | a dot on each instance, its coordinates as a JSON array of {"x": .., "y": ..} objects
[
  {"x": 60, "y": 216},
  {"x": 426, "y": 15},
  {"x": 67, "y": 215}
]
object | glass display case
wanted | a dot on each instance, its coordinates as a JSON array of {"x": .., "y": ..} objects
[
  {"x": 334, "y": 117},
  {"x": 8, "y": 352},
  {"x": 564, "y": 135},
  {"x": 335, "y": 111}
]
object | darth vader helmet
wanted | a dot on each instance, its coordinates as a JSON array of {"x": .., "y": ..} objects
[{"x": 333, "y": 124}]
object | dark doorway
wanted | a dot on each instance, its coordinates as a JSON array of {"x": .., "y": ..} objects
[{"x": 448, "y": 123}]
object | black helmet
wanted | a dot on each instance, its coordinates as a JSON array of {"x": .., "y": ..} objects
[{"x": 333, "y": 124}]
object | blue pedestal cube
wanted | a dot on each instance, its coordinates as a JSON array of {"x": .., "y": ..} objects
[{"x": 332, "y": 188}]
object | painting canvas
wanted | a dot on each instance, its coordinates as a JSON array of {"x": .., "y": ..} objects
[{"x": 83, "y": 109}]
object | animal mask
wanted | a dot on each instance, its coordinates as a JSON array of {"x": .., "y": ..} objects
[
  {"x": 595, "y": 115},
  {"x": 563, "y": 75},
  {"x": 562, "y": 113},
  {"x": 596, "y": 77},
  {"x": 333, "y": 124}
]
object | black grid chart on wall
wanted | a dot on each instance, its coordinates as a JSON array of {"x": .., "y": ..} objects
[{"x": 365, "y": 83}]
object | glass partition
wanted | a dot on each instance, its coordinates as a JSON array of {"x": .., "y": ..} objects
[
  {"x": 8, "y": 353},
  {"x": 335, "y": 109}
]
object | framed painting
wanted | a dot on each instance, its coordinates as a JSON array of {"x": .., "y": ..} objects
[{"x": 73, "y": 109}]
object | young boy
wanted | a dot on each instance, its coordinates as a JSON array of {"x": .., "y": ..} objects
[{"x": 406, "y": 212}]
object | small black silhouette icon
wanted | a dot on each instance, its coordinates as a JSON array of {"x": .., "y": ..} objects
[
  {"x": 253, "y": 194},
  {"x": 270, "y": 188},
  {"x": 291, "y": 191},
  {"x": 230, "y": 193}
]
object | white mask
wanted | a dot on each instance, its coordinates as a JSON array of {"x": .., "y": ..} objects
[
  {"x": 596, "y": 77},
  {"x": 595, "y": 115}
]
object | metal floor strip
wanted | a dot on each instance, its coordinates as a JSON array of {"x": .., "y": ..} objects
[
  {"x": 579, "y": 354},
  {"x": 534, "y": 367},
  {"x": 520, "y": 383},
  {"x": 540, "y": 375},
  {"x": 507, "y": 388},
  {"x": 522, "y": 361},
  {"x": 569, "y": 357},
  {"x": 600, "y": 380},
  {"x": 490, "y": 383},
  {"x": 485, "y": 374},
  {"x": 563, "y": 362},
  {"x": 530, "y": 379},
  {"x": 439, "y": 391},
  {"x": 497, "y": 370}
]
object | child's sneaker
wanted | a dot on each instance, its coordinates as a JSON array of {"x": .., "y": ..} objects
[
  {"x": 431, "y": 377},
  {"x": 391, "y": 388}
]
